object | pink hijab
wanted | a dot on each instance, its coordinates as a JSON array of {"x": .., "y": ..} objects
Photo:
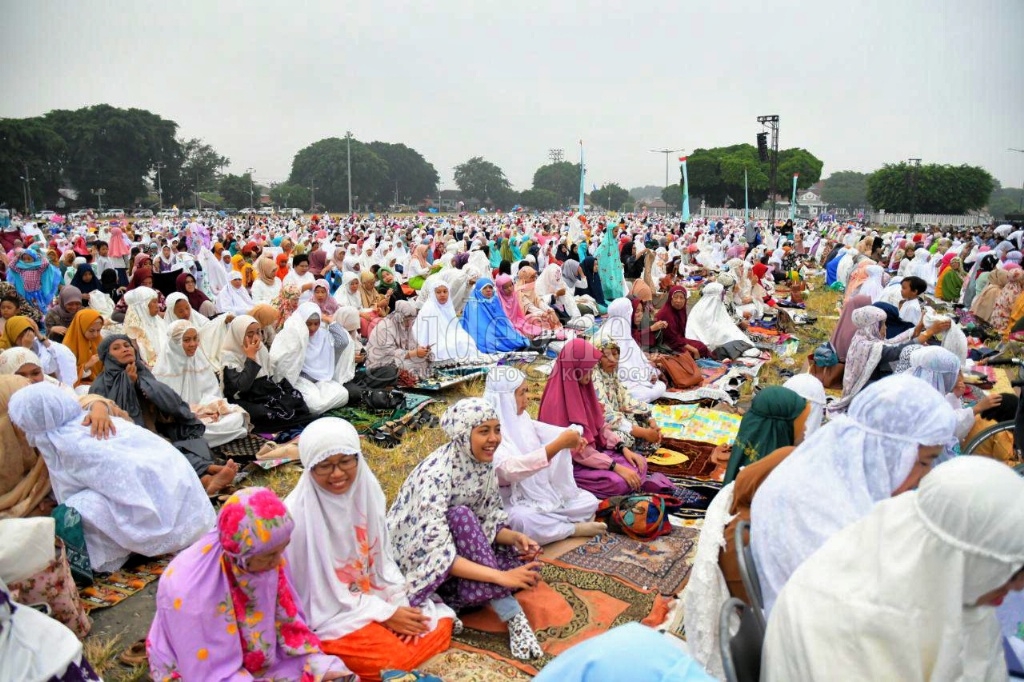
[
  {"x": 566, "y": 401},
  {"x": 845, "y": 330}
]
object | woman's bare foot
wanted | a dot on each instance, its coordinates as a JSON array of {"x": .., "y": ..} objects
[
  {"x": 221, "y": 477},
  {"x": 589, "y": 529}
]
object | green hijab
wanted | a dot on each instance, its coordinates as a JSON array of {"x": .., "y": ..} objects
[
  {"x": 766, "y": 427},
  {"x": 381, "y": 286}
]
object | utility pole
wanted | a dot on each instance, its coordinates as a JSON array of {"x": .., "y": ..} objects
[
  {"x": 1021, "y": 206},
  {"x": 248, "y": 171},
  {"x": 556, "y": 155},
  {"x": 666, "y": 152},
  {"x": 772, "y": 122},
  {"x": 28, "y": 189},
  {"x": 159, "y": 185},
  {"x": 99, "y": 196},
  {"x": 912, "y": 183},
  {"x": 348, "y": 140},
  {"x": 312, "y": 198}
]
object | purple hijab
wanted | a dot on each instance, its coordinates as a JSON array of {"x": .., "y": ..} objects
[{"x": 845, "y": 330}]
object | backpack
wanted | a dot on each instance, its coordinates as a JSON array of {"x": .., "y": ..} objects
[{"x": 640, "y": 516}]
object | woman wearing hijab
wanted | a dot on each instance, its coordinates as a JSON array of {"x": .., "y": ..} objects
[
  {"x": 24, "y": 480},
  {"x": 33, "y": 277},
  {"x": 267, "y": 286},
  {"x": 437, "y": 327},
  {"x": 485, "y": 321},
  {"x": 83, "y": 339},
  {"x": 185, "y": 284},
  {"x": 605, "y": 466},
  {"x": 553, "y": 291},
  {"x": 978, "y": 277},
  {"x": 211, "y": 332},
  {"x": 510, "y": 304},
  {"x": 393, "y": 343},
  {"x": 635, "y": 370},
  {"x": 58, "y": 319},
  {"x": 312, "y": 354},
  {"x": 450, "y": 533},
  {"x": 810, "y": 388},
  {"x": 323, "y": 299},
  {"x": 317, "y": 261},
  {"x": 710, "y": 323},
  {"x": 272, "y": 405},
  {"x": 534, "y": 467},
  {"x": 234, "y": 299},
  {"x": 918, "y": 577},
  {"x": 267, "y": 316},
  {"x": 185, "y": 369},
  {"x": 144, "y": 325},
  {"x": 119, "y": 249},
  {"x": 226, "y": 608},
  {"x": 609, "y": 267},
  {"x": 355, "y": 595},
  {"x": 673, "y": 333},
  {"x": 374, "y": 304},
  {"x": 1007, "y": 297},
  {"x": 85, "y": 279},
  {"x": 133, "y": 490},
  {"x": 881, "y": 448},
  {"x": 870, "y": 354},
  {"x": 842, "y": 335},
  {"x": 775, "y": 420},
  {"x": 626, "y": 416},
  {"x": 18, "y": 332},
  {"x": 951, "y": 281},
  {"x": 388, "y": 285},
  {"x": 535, "y": 309}
]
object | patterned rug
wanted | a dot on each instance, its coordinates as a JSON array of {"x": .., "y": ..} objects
[
  {"x": 241, "y": 448},
  {"x": 459, "y": 665},
  {"x": 568, "y": 607},
  {"x": 662, "y": 564},
  {"x": 119, "y": 585}
]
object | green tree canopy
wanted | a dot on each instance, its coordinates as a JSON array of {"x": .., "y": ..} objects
[
  {"x": 673, "y": 196},
  {"x": 236, "y": 190},
  {"x": 1006, "y": 200},
  {"x": 540, "y": 199},
  {"x": 561, "y": 178},
  {"x": 846, "y": 189},
  {"x": 480, "y": 179},
  {"x": 941, "y": 189},
  {"x": 611, "y": 196},
  {"x": 325, "y": 165},
  {"x": 414, "y": 177},
  {"x": 31, "y": 146},
  {"x": 289, "y": 195},
  {"x": 717, "y": 174}
]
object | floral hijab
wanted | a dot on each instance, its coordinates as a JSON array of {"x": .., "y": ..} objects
[
  {"x": 449, "y": 477},
  {"x": 216, "y": 620}
]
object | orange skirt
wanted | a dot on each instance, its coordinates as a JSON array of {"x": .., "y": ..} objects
[{"x": 374, "y": 648}]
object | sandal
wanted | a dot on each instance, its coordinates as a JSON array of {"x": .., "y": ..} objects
[{"x": 135, "y": 654}]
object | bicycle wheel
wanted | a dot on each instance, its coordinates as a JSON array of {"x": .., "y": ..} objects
[{"x": 985, "y": 436}]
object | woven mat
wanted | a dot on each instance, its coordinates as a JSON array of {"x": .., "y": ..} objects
[
  {"x": 698, "y": 466},
  {"x": 662, "y": 564},
  {"x": 568, "y": 607},
  {"x": 460, "y": 665},
  {"x": 241, "y": 448},
  {"x": 446, "y": 378},
  {"x": 366, "y": 420},
  {"x": 115, "y": 588}
]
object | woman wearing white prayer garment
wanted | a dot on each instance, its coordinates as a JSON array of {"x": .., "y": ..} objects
[
  {"x": 133, "y": 489},
  {"x": 909, "y": 591},
  {"x": 710, "y": 323},
  {"x": 534, "y": 467},
  {"x": 185, "y": 368},
  {"x": 437, "y": 327},
  {"x": 553, "y": 291},
  {"x": 143, "y": 324},
  {"x": 211, "y": 332},
  {"x": 234, "y": 299},
  {"x": 941, "y": 370},
  {"x": 635, "y": 371},
  {"x": 810, "y": 388},
  {"x": 354, "y": 595},
  {"x": 313, "y": 353},
  {"x": 890, "y": 438}
]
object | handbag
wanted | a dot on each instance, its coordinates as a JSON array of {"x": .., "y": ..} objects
[
  {"x": 641, "y": 517},
  {"x": 681, "y": 370}
]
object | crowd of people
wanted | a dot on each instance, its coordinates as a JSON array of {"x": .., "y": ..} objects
[{"x": 131, "y": 352}]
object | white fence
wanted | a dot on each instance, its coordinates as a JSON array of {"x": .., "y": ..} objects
[{"x": 876, "y": 218}]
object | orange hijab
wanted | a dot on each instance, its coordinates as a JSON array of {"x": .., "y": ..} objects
[{"x": 82, "y": 347}]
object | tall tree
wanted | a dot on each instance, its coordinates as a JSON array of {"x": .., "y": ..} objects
[
  {"x": 236, "y": 191},
  {"x": 200, "y": 170},
  {"x": 939, "y": 189},
  {"x": 673, "y": 196},
  {"x": 29, "y": 148},
  {"x": 288, "y": 195},
  {"x": 1006, "y": 201},
  {"x": 846, "y": 189},
  {"x": 716, "y": 175},
  {"x": 409, "y": 175},
  {"x": 483, "y": 180},
  {"x": 611, "y": 196},
  {"x": 562, "y": 178},
  {"x": 324, "y": 164},
  {"x": 539, "y": 199}
]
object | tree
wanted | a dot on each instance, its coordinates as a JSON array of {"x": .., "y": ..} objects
[
  {"x": 325, "y": 165},
  {"x": 540, "y": 199},
  {"x": 561, "y": 178},
  {"x": 646, "y": 192},
  {"x": 717, "y": 174},
  {"x": 287, "y": 195},
  {"x": 611, "y": 196},
  {"x": 941, "y": 189},
  {"x": 236, "y": 190},
  {"x": 409, "y": 175},
  {"x": 29, "y": 146},
  {"x": 483, "y": 180},
  {"x": 1006, "y": 200},
  {"x": 673, "y": 196},
  {"x": 846, "y": 189}
]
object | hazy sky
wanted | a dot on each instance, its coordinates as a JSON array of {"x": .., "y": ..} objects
[{"x": 858, "y": 83}]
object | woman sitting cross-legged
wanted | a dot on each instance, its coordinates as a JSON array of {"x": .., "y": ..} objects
[
  {"x": 355, "y": 597},
  {"x": 313, "y": 353},
  {"x": 226, "y": 608},
  {"x": 626, "y": 416},
  {"x": 393, "y": 344},
  {"x": 605, "y": 466},
  {"x": 534, "y": 466},
  {"x": 450, "y": 531},
  {"x": 133, "y": 490},
  {"x": 155, "y": 406}
]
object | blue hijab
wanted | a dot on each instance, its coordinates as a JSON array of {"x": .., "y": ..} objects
[
  {"x": 494, "y": 253},
  {"x": 486, "y": 321},
  {"x": 832, "y": 269},
  {"x": 609, "y": 266}
]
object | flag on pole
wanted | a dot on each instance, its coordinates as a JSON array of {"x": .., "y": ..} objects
[
  {"x": 792, "y": 203},
  {"x": 685, "y": 189},
  {"x": 583, "y": 178},
  {"x": 746, "y": 198}
]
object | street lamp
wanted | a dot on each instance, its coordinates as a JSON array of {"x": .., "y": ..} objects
[
  {"x": 666, "y": 152},
  {"x": 348, "y": 142},
  {"x": 159, "y": 185},
  {"x": 99, "y": 196},
  {"x": 248, "y": 171}
]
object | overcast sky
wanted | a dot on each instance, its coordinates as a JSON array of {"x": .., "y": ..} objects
[{"x": 858, "y": 83}]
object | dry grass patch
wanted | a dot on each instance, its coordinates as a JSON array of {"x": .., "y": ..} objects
[{"x": 102, "y": 653}]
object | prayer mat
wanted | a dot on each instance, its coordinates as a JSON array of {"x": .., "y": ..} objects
[
  {"x": 460, "y": 665},
  {"x": 441, "y": 379},
  {"x": 568, "y": 607},
  {"x": 366, "y": 421},
  {"x": 689, "y": 422},
  {"x": 712, "y": 374},
  {"x": 698, "y": 465},
  {"x": 107, "y": 591},
  {"x": 241, "y": 448},
  {"x": 662, "y": 564}
]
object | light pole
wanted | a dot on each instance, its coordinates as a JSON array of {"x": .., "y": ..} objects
[
  {"x": 248, "y": 171},
  {"x": 1021, "y": 205},
  {"x": 912, "y": 178},
  {"x": 99, "y": 196},
  {"x": 348, "y": 141},
  {"x": 159, "y": 185},
  {"x": 666, "y": 152}
]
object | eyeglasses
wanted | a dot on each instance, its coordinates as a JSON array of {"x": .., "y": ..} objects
[{"x": 327, "y": 468}]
